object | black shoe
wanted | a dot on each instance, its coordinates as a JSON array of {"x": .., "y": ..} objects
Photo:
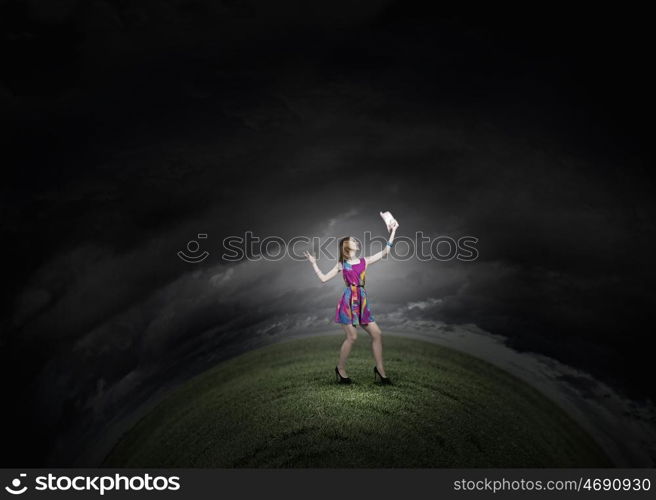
[
  {"x": 340, "y": 379},
  {"x": 383, "y": 380}
]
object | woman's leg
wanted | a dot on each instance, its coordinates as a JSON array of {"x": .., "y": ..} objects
[
  {"x": 376, "y": 344},
  {"x": 351, "y": 336}
]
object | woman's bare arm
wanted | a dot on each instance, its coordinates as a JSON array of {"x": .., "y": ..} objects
[
  {"x": 377, "y": 256},
  {"x": 323, "y": 277}
]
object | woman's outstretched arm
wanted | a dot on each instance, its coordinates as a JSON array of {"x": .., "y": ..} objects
[
  {"x": 377, "y": 256},
  {"x": 323, "y": 277}
]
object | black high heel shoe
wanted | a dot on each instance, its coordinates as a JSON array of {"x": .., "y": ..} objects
[
  {"x": 340, "y": 379},
  {"x": 383, "y": 380}
]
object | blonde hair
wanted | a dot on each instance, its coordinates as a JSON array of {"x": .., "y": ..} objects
[{"x": 343, "y": 252}]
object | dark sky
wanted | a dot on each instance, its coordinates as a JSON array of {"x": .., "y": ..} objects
[{"x": 132, "y": 126}]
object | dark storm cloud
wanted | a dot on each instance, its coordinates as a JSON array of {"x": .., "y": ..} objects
[{"x": 148, "y": 123}]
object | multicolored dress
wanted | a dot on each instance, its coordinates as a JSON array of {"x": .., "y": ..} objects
[{"x": 353, "y": 307}]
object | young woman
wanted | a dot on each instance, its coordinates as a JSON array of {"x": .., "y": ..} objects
[{"x": 352, "y": 309}]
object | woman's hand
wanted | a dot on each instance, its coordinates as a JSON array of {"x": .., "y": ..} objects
[
  {"x": 310, "y": 257},
  {"x": 394, "y": 226}
]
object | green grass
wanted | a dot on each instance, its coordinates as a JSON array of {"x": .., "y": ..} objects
[{"x": 279, "y": 406}]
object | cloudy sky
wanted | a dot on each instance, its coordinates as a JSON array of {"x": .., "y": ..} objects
[{"x": 135, "y": 126}]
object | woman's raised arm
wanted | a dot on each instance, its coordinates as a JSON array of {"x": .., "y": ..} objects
[
  {"x": 323, "y": 277},
  {"x": 377, "y": 256}
]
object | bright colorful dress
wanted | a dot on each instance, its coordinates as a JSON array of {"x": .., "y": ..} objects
[{"x": 353, "y": 307}]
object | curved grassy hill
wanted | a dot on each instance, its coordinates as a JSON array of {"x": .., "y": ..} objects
[{"x": 279, "y": 406}]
